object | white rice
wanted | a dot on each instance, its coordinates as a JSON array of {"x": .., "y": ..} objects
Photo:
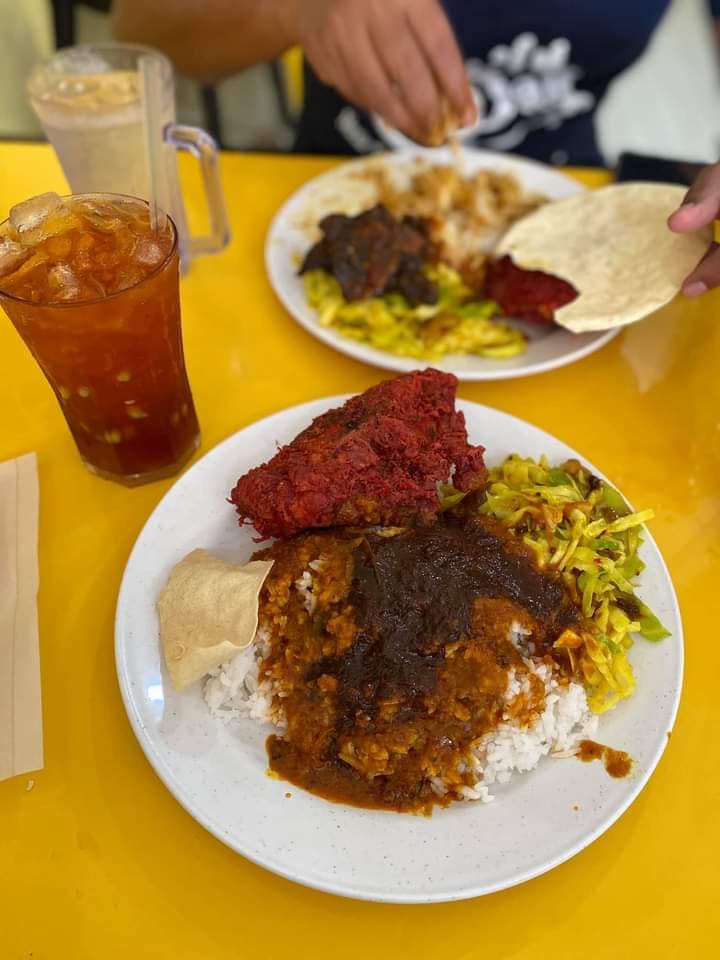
[
  {"x": 565, "y": 720},
  {"x": 303, "y": 585},
  {"x": 233, "y": 691}
]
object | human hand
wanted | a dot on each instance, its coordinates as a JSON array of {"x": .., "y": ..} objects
[
  {"x": 700, "y": 207},
  {"x": 397, "y": 58}
]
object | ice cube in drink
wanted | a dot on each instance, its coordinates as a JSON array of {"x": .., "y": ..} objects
[
  {"x": 94, "y": 294},
  {"x": 12, "y": 255},
  {"x": 30, "y": 215}
]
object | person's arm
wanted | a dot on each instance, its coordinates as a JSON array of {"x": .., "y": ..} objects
[
  {"x": 398, "y": 58},
  {"x": 715, "y": 14},
  {"x": 701, "y": 207},
  {"x": 208, "y": 39}
]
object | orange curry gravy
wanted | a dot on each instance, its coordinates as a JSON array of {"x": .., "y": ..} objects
[
  {"x": 616, "y": 762},
  {"x": 400, "y": 660}
]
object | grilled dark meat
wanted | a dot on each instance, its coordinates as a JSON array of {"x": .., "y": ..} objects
[
  {"x": 411, "y": 282},
  {"x": 373, "y": 253},
  {"x": 376, "y": 459}
]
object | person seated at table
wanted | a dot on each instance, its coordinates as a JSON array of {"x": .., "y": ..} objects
[{"x": 538, "y": 71}]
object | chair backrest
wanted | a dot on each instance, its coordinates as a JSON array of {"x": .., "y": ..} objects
[
  {"x": 27, "y": 36},
  {"x": 293, "y": 85}
]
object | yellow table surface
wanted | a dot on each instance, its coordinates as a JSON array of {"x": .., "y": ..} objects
[{"x": 97, "y": 860}]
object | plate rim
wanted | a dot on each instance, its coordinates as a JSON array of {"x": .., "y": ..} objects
[
  {"x": 384, "y": 360},
  {"x": 345, "y": 889}
]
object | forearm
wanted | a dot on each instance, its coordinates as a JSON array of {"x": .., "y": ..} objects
[{"x": 212, "y": 39}]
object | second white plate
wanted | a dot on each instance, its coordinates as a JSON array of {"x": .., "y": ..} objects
[{"x": 342, "y": 190}]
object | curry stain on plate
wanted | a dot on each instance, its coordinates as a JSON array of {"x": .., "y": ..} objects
[{"x": 617, "y": 763}]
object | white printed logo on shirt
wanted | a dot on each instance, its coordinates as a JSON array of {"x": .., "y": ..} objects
[{"x": 521, "y": 87}]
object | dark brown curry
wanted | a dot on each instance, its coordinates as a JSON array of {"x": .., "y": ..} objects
[{"x": 402, "y": 662}]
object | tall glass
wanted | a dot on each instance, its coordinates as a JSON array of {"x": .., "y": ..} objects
[
  {"x": 94, "y": 293},
  {"x": 91, "y": 103}
]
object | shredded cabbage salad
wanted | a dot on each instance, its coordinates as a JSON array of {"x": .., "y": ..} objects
[
  {"x": 455, "y": 324},
  {"x": 580, "y": 526}
]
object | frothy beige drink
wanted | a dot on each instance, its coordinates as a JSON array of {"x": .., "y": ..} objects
[
  {"x": 109, "y": 111},
  {"x": 95, "y": 122}
]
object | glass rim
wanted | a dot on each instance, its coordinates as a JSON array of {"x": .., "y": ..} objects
[
  {"x": 107, "y": 46},
  {"x": 55, "y": 304}
]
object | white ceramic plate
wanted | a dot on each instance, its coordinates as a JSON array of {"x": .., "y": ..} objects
[
  {"x": 292, "y": 233},
  {"x": 218, "y": 772}
]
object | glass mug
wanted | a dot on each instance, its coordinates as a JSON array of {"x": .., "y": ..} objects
[
  {"x": 90, "y": 103},
  {"x": 93, "y": 291}
]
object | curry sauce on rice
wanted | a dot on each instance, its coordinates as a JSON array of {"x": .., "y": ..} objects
[
  {"x": 466, "y": 212},
  {"x": 391, "y": 654}
]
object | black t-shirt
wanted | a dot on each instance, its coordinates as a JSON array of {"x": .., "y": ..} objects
[{"x": 540, "y": 68}]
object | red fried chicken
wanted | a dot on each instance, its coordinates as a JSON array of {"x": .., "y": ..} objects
[
  {"x": 526, "y": 294},
  {"x": 376, "y": 459}
]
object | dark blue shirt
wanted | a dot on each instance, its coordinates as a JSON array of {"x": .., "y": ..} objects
[{"x": 540, "y": 68}]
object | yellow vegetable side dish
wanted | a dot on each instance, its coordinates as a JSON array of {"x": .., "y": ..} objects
[
  {"x": 580, "y": 526},
  {"x": 455, "y": 324}
]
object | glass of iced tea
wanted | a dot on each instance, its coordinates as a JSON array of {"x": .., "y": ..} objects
[{"x": 93, "y": 291}]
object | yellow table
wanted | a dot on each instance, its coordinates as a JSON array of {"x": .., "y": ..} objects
[{"x": 97, "y": 860}]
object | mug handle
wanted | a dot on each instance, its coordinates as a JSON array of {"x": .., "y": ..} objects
[{"x": 202, "y": 146}]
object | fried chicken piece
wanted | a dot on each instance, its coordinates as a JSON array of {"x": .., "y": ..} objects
[
  {"x": 376, "y": 459},
  {"x": 526, "y": 294}
]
